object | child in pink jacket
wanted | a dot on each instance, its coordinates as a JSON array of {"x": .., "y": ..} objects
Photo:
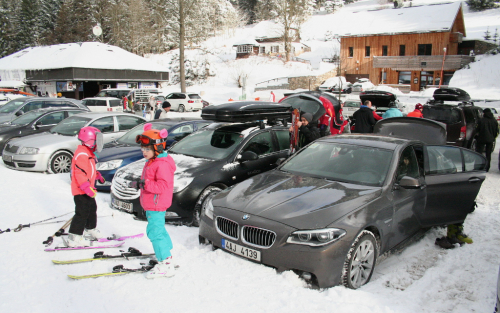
[{"x": 157, "y": 185}]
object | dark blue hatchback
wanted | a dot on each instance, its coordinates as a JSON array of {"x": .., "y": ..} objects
[{"x": 125, "y": 150}]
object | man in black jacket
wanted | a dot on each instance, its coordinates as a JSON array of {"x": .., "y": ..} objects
[
  {"x": 308, "y": 131},
  {"x": 487, "y": 130},
  {"x": 363, "y": 119}
]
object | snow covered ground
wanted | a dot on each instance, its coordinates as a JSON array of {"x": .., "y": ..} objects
[{"x": 422, "y": 278}]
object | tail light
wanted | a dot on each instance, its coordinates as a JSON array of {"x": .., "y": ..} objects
[
  {"x": 190, "y": 101},
  {"x": 110, "y": 109},
  {"x": 463, "y": 130}
]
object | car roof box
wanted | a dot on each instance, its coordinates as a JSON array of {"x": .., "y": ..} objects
[
  {"x": 378, "y": 98},
  {"x": 246, "y": 111},
  {"x": 451, "y": 94},
  {"x": 414, "y": 128},
  {"x": 310, "y": 102}
]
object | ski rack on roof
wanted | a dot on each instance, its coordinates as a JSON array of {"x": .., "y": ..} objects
[{"x": 247, "y": 111}]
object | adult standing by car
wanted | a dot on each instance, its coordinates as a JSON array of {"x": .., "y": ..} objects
[
  {"x": 338, "y": 123},
  {"x": 487, "y": 130},
  {"x": 150, "y": 108},
  {"x": 363, "y": 119},
  {"x": 308, "y": 132},
  {"x": 162, "y": 113},
  {"x": 393, "y": 111},
  {"x": 125, "y": 103},
  {"x": 417, "y": 112}
]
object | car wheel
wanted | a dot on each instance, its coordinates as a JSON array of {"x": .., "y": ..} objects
[
  {"x": 181, "y": 108},
  {"x": 206, "y": 195},
  {"x": 360, "y": 261},
  {"x": 472, "y": 145},
  {"x": 60, "y": 162}
]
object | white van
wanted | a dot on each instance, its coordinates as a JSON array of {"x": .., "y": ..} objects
[{"x": 103, "y": 104}]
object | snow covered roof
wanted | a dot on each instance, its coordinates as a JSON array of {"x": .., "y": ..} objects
[
  {"x": 11, "y": 84},
  {"x": 93, "y": 55},
  {"x": 247, "y": 41},
  {"x": 415, "y": 19}
]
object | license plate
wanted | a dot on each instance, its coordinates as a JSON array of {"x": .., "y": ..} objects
[
  {"x": 128, "y": 207},
  {"x": 7, "y": 158},
  {"x": 241, "y": 250}
]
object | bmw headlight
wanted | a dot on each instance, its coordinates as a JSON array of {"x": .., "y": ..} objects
[
  {"x": 181, "y": 182},
  {"x": 28, "y": 150},
  {"x": 109, "y": 165},
  {"x": 208, "y": 209},
  {"x": 316, "y": 237}
]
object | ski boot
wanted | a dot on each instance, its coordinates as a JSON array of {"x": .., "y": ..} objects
[
  {"x": 455, "y": 234},
  {"x": 77, "y": 241},
  {"x": 92, "y": 234},
  {"x": 164, "y": 268}
]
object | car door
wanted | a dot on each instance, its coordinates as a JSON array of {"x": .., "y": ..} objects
[
  {"x": 453, "y": 177},
  {"x": 262, "y": 145},
  {"x": 48, "y": 121},
  {"x": 107, "y": 127},
  {"x": 407, "y": 202}
]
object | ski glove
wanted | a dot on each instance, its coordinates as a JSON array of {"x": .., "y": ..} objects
[
  {"x": 137, "y": 184},
  {"x": 89, "y": 191},
  {"x": 100, "y": 178}
]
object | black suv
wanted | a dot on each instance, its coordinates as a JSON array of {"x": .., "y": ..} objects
[{"x": 452, "y": 106}]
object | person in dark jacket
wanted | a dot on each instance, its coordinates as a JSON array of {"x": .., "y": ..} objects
[
  {"x": 487, "y": 130},
  {"x": 363, "y": 119},
  {"x": 308, "y": 132}
]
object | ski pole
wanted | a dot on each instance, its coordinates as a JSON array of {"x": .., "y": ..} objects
[
  {"x": 21, "y": 226},
  {"x": 58, "y": 233}
]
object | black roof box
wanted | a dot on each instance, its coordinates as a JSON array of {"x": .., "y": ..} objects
[
  {"x": 246, "y": 111},
  {"x": 378, "y": 98},
  {"x": 451, "y": 94}
]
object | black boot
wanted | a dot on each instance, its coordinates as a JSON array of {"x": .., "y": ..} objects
[{"x": 444, "y": 243}]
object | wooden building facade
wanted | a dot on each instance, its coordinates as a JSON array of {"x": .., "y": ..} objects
[{"x": 415, "y": 59}]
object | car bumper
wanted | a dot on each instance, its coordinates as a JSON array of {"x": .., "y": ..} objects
[
  {"x": 26, "y": 162},
  {"x": 324, "y": 262},
  {"x": 108, "y": 176}
]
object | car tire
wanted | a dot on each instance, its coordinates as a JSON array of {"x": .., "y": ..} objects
[
  {"x": 181, "y": 108},
  {"x": 207, "y": 194},
  {"x": 60, "y": 162},
  {"x": 472, "y": 145},
  {"x": 360, "y": 261}
]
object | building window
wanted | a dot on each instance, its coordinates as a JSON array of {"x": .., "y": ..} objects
[
  {"x": 404, "y": 78},
  {"x": 425, "y": 49},
  {"x": 245, "y": 49},
  {"x": 262, "y": 50},
  {"x": 351, "y": 52},
  {"x": 384, "y": 51},
  {"x": 275, "y": 49},
  {"x": 367, "y": 51},
  {"x": 402, "y": 51}
]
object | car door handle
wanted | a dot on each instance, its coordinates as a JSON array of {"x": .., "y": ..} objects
[{"x": 474, "y": 180}]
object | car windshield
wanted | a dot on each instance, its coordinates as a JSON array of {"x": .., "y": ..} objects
[
  {"x": 70, "y": 126},
  {"x": 209, "y": 144},
  {"x": 342, "y": 162},
  {"x": 27, "y": 118},
  {"x": 11, "y": 106},
  {"x": 445, "y": 115},
  {"x": 352, "y": 104},
  {"x": 129, "y": 137}
]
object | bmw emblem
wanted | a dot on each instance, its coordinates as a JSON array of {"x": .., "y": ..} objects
[{"x": 245, "y": 217}]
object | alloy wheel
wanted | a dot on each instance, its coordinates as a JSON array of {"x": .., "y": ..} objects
[{"x": 362, "y": 264}]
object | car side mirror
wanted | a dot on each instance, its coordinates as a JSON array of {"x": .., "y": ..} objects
[
  {"x": 279, "y": 161},
  {"x": 38, "y": 124},
  {"x": 248, "y": 156},
  {"x": 19, "y": 113},
  {"x": 408, "y": 182}
]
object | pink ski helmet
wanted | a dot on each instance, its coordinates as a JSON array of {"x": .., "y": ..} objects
[{"x": 91, "y": 137}]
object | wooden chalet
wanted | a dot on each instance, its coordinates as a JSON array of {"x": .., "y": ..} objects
[{"x": 410, "y": 47}]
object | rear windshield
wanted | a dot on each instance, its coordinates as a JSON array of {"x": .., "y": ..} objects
[
  {"x": 443, "y": 114},
  {"x": 194, "y": 96},
  {"x": 94, "y": 103}
]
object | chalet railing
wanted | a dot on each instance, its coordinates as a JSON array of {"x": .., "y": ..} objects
[{"x": 423, "y": 62}]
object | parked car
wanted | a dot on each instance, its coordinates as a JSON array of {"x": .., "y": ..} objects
[
  {"x": 52, "y": 151},
  {"x": 212, "y": 159},
  {"x": 351, "y": 106},
  {"x": 334, "y": 84},
  {"x": 125, "y": 150},
  {"x": 33, "y": 122},
  {"x": 451, "y": 106},
  {"x": 118, "y": 93},
  {"x": 103, "y": 104},
  {"x": 380, "y": 100},
  {"x": 17, "y": 107},
  {"x": 182, "y": 102},
  {"x": 362, "y": 84},
  {"x": 329, "y": 211}
]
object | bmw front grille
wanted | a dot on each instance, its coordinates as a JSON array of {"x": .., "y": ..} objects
[
  {"x": 227, "y": 227},
  {"x": 258, "y": 237}
]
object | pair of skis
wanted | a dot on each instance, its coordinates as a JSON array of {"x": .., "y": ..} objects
[{"x": 98, "y": 246}]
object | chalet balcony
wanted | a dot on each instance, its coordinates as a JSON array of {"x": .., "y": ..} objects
[{"x": 422, "y": 62}]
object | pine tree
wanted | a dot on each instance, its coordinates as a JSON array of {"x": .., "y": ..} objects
[
  {"x": 487, "y": 35},
  {"x": 481, "y": 5},
  {"x": 249, "y": 7},
  {"x": 28, "y": 27},
  {"x": 48, "y": 18},
  {"x": 7, "y": 20},
  {"x": 265, "y": 10}
]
